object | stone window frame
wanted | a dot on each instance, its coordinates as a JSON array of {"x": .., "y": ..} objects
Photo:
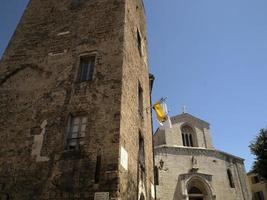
[
  {"x": 90, "y": 74},
  {"x": 80, "y": 133}
]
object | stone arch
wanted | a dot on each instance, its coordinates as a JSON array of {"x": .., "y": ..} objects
[
  {"x": 188, "y": 134},
  {"x": 198, "y": 188}
]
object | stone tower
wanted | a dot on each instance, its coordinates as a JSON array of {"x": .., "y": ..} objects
[
  {"x": 75, "y": 91},
  {"x": 188, "y": 167}
]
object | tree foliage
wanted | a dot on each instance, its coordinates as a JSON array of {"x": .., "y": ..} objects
[{"x": 258, "y": 147}]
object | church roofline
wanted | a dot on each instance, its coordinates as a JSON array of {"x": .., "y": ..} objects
[
  {"x": 213, "y": 152},
  {"x": 176, "y": 118}
]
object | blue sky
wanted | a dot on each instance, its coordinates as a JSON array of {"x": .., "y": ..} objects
[{"x": 210, "y": 55}]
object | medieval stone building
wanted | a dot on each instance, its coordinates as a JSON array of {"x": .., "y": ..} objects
[
  {"x": 75, "y": 91},
  {"x": 188, "y": 167},
  {"x": 257, "y": 185}
]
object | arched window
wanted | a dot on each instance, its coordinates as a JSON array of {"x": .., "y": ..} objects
[
  {"x": 187, "y": 136},
  {"x": 230, "y": 178}
]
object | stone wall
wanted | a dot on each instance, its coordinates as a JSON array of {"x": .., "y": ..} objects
[
  {"x": 135, "y": 75},
  {"x": 39, "y": 92}
]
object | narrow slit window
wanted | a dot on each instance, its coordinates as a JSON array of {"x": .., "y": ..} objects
[
  {"x": 156, "y": 174},
  {"x": 86, "y": 68},
  {"x": 141, "y": 159},
  {"x": 140, "y": 101},
  {"x": 76, "y": 134},
  {"x": 230, "y": 178},
  {"x": 98, "y": 169},
  {"x": 187, "y": 140},
  {"x": 139, "y": 43},
  {"x": 141, "y": 153},
  {"x": 191, "y": 140},
  {"x": 183, "y": 137}
]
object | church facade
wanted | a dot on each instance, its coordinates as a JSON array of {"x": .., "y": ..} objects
[
  {"x": 74, "y": 92},
  {"x": 188, "y": 167}
]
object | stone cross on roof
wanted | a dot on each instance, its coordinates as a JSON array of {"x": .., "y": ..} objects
[{"x": 184, "y": 109}]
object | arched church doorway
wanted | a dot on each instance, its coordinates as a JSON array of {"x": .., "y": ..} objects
[
  {"x": 195, "y": 194},
  {"x": 198, "y": 189}
]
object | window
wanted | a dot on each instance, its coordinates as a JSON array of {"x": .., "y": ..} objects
[
  {"x": 141, "y": 159},
  {"x": 156, "y": 175},
  {"x": 86, "y": 68},
  {"x": 187, "y": 137},
  {"x": 75, "y": 4},
  {"x": 139, "y": 43},
  {"x": 258, "y": 196},
  {"x": 97, "y": 168},
  {"x": 255, "y": 179},
  {"x": 77, "y": 127},
  {"x": 141, "y": 153},
  {"x": 230, "y": 178},
  {"x": 140, "y": 101}
]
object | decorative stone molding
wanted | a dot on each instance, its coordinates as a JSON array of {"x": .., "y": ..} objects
[
  {"x": 176, "y": 150},
  {"x": 203, "y": 181}
]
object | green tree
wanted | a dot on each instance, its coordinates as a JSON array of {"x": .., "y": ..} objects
[{"x": 258, "y": 147}]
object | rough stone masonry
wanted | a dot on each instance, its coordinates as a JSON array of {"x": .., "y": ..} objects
[{"x": 75, "y": 92}]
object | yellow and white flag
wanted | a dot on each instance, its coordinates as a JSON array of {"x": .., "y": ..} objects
[{"x": 161, "y": 110}]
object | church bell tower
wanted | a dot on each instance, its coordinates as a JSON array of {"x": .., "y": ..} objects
[{"x": 75, "y": 118}]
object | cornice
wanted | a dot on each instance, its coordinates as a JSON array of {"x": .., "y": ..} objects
[{"x": 179, "y": 150}]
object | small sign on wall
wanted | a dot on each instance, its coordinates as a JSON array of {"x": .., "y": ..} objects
[
  {"x": 101, "y": 196},
  {"x": 124, "y": 158},
  {"x": 152, "y": 191}
]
